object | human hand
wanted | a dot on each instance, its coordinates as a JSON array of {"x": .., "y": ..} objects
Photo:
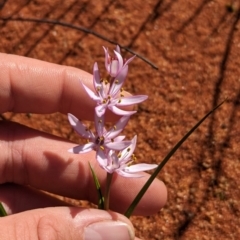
[{"x": 31, "y": 160}]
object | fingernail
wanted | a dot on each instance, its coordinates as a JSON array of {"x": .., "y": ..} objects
[{"x": 108, "y": 230}]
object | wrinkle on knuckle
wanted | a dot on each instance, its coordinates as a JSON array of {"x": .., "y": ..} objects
[
  {"x": 65, "y": 102},
  {"x": 16, "y": 167},
  {"x": 48, "y": 229}
]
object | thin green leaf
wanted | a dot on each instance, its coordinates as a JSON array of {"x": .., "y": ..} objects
[
  {"x": 98, "y": 187},
  {"x": 165, "y": 160},
  {"x": 2, "y": 211}
]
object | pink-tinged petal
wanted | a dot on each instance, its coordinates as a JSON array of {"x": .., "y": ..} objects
[
  {"x": 118, "y": 146},
  {"x": 119, "y": 138},
  {"x": 118, "y": 81},
  {"x": 127, "y": 152},
  {"x": 131, "y": 100},
  {"x": 118, "y": 49},
  {"x": 80, "y": 128},
  {"x": 100, "y": 110},
  {"x": 82, "y": 148},
  {"x": 101, "y": 158},
  {"x": 129, "y": 175},
  {"x": 120, "y": 59},
  {"x": 129, "y": 60},
  {"x": 114, "y": 68},
  {"x": 107, "y": 58},
  {"x": 140, "y": 167},
  {"x": 96, "y": 77},
  {"x": 91, "y": 94},
  {"x": 119, "y": 111},
  {"x": 99, "y": 124},
  {"x": 118, "y": 127}
]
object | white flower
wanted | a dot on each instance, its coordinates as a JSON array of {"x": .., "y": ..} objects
[
  {"x": 110, "y": 95},
  {"x": 121, "y": 163},
  {"x": 103, "y": 141}
]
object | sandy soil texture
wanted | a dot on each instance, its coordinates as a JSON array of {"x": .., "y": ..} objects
[{"x": 195, "y": 45}]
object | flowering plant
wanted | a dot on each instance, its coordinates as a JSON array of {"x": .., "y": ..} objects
[{"x": 113, "y": 153}]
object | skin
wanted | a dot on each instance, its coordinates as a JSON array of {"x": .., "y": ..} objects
[{"x": 32, "y": 160}]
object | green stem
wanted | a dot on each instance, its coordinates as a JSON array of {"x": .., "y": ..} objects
[{"x": 107, "y": 191}]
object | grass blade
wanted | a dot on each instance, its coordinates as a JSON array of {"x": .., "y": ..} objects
[
  {"x": 165, "y": 160},
  {"x": 98, "y": 187},
  {"x": 2, "y": 211}
]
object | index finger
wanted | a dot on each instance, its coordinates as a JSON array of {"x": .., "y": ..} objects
[{"x": 30, "y": 85}]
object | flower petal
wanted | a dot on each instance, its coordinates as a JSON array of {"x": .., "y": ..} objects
[
  {"x": 119, "y": 58},
  {"x": 101, "y": 158},
  {"x": 82, "y": 148},
  {"x": 140, "y": 167},
  {"x": 126, "y": 153},
  {"x": 99, "y": 124},
  {"x": 79, "y": 127},
  {"x": 119, "y": 138},
  {"x": 118, "y": 146},
  {"x": 118, "y": 81},
  {"x": 100, "y": 110},
  {"x": 129, "y": 175},
  {"x": 118, "y": 49},
  {"x": 118, "y": 127},
  {"x": 96, "y": 77},
  {"x": 119, "y": 111},
  {"x": 91, "y": 94},
  {"x": 107, "y": 59},
  {"x": 129, "y": 60},
  {"x": 131, "y": 100}
]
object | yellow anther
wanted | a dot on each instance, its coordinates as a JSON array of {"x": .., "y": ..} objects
[
  {"x": 119, "y": 100},
  {"x": 121, "y": 95},
  {"x": 115, "y": 127},
  {"x": 100, "y": 121},
  {"x": 98, "y": 88},
  {"x": 116, "y": 81},
  {"x": 121, "y": 89},
  {"x": 102, "y": 147},
  {"x": 128, "y": 149}
]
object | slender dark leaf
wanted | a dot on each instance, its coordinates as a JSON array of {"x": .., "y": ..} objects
[
  {"x": 98, "y": 187},
  {"x": 2, "y": 211},
  {"x": 165, "y": 160}
]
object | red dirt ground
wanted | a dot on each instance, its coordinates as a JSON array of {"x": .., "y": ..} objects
[{"x": 196, "y": 46}]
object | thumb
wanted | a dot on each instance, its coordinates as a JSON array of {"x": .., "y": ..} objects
[{"x": 66, "y": 223}]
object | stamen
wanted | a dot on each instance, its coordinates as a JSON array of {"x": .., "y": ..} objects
[
  {"x": 119, "y": 100},
  {"x": 115, "y": 127},
  {"x": 133, "y": 157},
  {"x": 116, "y": 81}
]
